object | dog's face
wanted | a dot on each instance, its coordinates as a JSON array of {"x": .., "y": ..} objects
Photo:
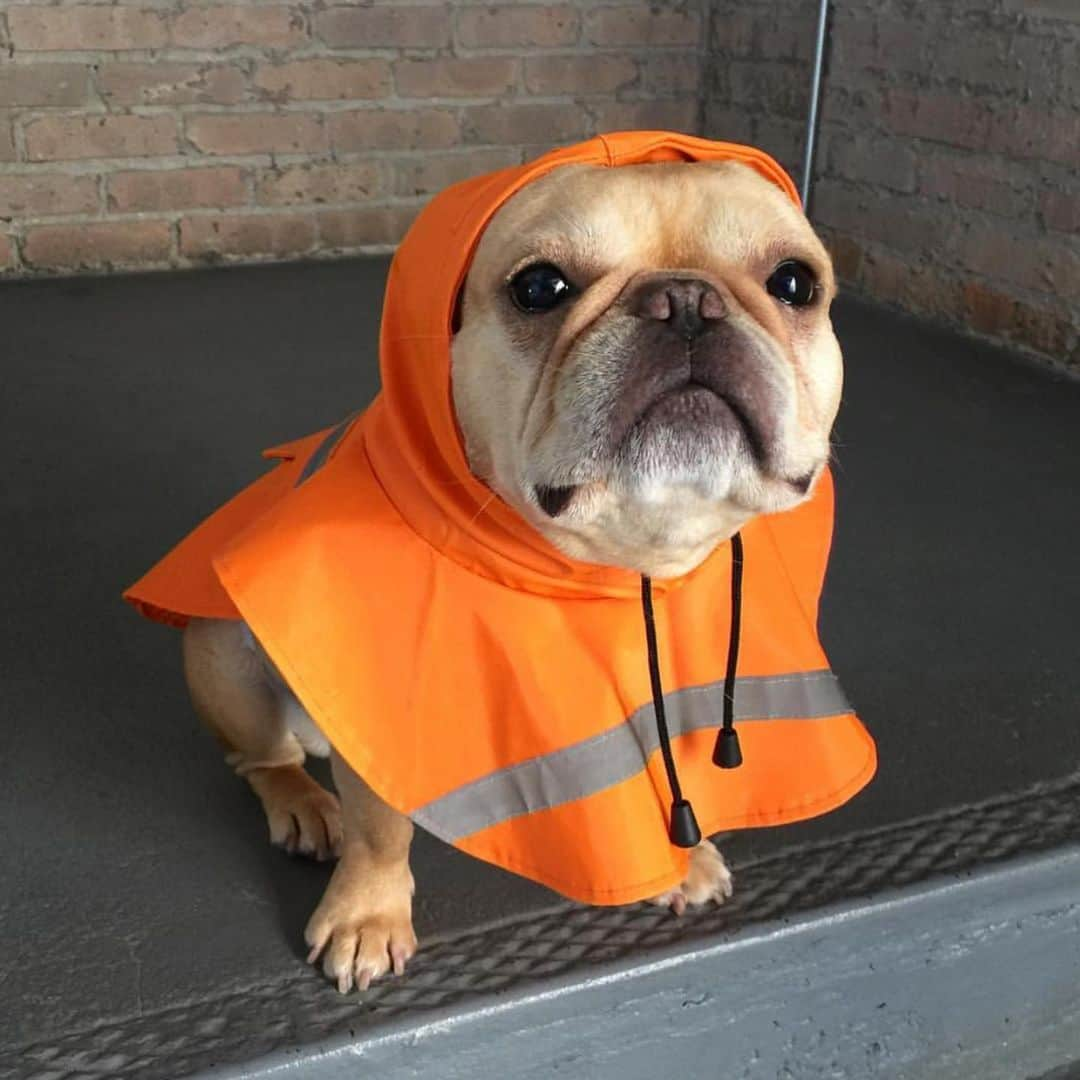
[{"x": 644, "y": 358}]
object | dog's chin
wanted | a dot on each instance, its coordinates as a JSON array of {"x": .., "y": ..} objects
[
  {"x": 663, "y": 514},
  {"x": 673, "y": 462},
  {"x": 689, "y": 437}
]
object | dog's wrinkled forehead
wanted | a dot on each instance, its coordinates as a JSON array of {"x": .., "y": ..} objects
[{"x": 589, "y": 219}]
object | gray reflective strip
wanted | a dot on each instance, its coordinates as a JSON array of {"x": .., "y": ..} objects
[
  {"x": 616, "y": 755},
  {"x": 322, "y": 451}
]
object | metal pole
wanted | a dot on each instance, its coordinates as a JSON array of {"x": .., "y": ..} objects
[{"x": 815, "y": 96}]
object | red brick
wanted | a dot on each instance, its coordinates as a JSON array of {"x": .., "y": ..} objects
[
  {"x": 874, "y": 159},
  {"x": 1021, "y": 66},
  {"x": 964, "y": 181},
  {"x": 1045, "y": 9},
  {"x": 1070, "y": 62},
  {"x": 987, "y": 310},
  {"x": 44, "y": 84},
  {"x": 165, "y": 83},
  {"x": 37, "y": 194},
  {"x": 1059, "y": 271},
  {"x": 671, "y": 73},
  {"x": 226, "y": 25},
  {"x": 646, "y": 115},
  {"x": 1040, "y": 265},
  {"x": 480, "y": 76},
  {"x": 793, "y": 39},
  {"x": 100, "y": 245},
  {"x": 324, "y": 80},
  {"x": 638, "y": 25},
  {"x": 258, "y": 234},
  {"x": 392, "y": 129},
  {"x": 1034, "y": 131},
  {"x": 7, "y": 252},
  {"x": 595, "y": 73},
  {"x": 1045, "y": 330},
  {"x": 1061, "y": 210},
  {"x": 928, "y": 290},
  {"x": 777, "y": 89},
  {"x": 176, "y": 189},
  {"x": 900, "y": 44},
  {"x": 86, "y": 27},
  {"x": 65, "y": 138},
  {"x": 852, "y": 107},
  {"x": 882, "y": 275},
  {"x": 7, "y": 141},
  {"x": 727, "y": 123},
  {"x": 782, "y": 138},
  {"x": 523, "y": 124},
  {"x": 433, "y": 172},
  {"x": 907, "y": 225},
  {"x": 942, "y": 117},
  {"x": 846, "y": 256},
  {"x": 836, "y": 204},
  {"x": 734, "y": 33},
  {"x": 254, "y": 133},
  {"x": 364, "y": 226},
  {"x": 516, "y": 27},
  {"x": 375, "y": 28},
  {"x": 336, "y": 183}
]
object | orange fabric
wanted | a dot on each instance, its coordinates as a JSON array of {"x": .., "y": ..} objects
[{"x": 436, "y": 638}]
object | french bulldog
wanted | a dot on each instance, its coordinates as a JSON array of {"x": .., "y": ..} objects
[{"x": 643, "y": 361}]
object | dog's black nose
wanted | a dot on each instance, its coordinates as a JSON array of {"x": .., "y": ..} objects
[{"x": 687, "y": 304}]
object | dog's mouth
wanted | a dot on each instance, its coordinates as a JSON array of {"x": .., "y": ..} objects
[
  {"x": 692, "y": 403},
  {"x": 691, "y": 410}
]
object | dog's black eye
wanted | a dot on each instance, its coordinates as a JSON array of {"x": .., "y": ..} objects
[
  {"x": 539, "y": 287},
  {"x": 793, "y": 283}
]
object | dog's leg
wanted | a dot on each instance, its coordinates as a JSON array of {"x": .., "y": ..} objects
[
  {"x": 235, "y": 700},
  {"x": 707, "y": 878},
  {"x": 363, "y": 925}
]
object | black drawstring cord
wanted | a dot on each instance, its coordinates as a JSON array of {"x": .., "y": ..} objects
[
  {"x": 726, "y": 753},
  {"x": 683, "y": 831}
]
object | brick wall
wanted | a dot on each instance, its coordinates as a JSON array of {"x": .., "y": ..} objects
[
  {"x": 154, "y": 133},
  {"x": 949, "y": 164}
]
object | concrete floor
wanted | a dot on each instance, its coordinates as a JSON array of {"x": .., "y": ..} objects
[{"x": 136, "y": 878}]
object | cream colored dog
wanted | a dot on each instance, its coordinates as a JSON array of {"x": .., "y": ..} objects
[{"x": 644, "y": 361}]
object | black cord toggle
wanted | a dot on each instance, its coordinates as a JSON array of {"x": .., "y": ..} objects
[
  {"x": 683, "y": 830},
  {"x": 727, "y": 753}
]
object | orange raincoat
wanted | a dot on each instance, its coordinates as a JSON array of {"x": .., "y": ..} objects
[{"x": 479, "y": 680}]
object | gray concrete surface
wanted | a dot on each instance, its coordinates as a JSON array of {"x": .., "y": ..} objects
[
  {"x": 136, "y": 878},
  {"x": 907, "y": 986}
]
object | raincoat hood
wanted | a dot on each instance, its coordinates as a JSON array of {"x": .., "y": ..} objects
[
  {"x": 534, "y": 711},
  {"x": 417, "y": 430}
]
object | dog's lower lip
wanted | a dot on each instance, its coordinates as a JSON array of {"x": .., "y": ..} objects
[
  {"x": 717, "y": 405},
  {"x": 688, "y": 391}
]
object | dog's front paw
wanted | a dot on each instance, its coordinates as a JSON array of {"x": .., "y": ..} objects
[
  {"x": 362, "y": 927},
  {"x": 304, "y": 818},
  {"x": 707, "y": 878}
]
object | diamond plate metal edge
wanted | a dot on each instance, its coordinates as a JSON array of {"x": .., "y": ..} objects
[{"x": 244, "y": 1025}]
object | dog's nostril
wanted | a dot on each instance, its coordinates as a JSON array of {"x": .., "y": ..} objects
[
  {"x": 686, "y": 304},
  {"x": 655, "y": 304},
  {"x": 712, "y": 304}
]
